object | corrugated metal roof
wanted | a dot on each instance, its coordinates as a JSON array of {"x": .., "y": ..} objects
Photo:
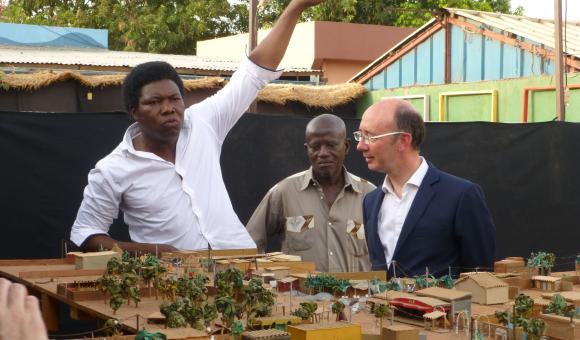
[
  {"x": 538, "y": 30},
  {"x": 105, "y": 58}
]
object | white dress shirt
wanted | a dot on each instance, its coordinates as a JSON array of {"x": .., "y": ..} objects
[
  {"x": 184, "y": 204},
  {"x": 394, "y": 210}
]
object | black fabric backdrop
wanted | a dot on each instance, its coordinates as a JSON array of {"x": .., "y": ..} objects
[{"x": 529, "y": 173}]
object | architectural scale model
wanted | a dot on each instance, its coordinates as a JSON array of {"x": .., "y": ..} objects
[{"x": 238, "y": 293}]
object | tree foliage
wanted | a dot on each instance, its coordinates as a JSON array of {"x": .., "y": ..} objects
[
  {"x": 135, "y": 25},
  {"x": 406, "y": 13},
  {"x": 175, "y": 26}
]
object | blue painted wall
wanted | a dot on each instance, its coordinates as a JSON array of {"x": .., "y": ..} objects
[
  {"x": 37, "y": 35},
  {"x": 473, "y": 58}
]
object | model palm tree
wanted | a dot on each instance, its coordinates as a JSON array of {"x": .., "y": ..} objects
[{"x": 381, "y": 310}]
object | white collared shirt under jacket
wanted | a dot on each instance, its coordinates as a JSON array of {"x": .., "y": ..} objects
[
  {"x": 394, "y": 210},
  {"x": 184, "y": 204}
]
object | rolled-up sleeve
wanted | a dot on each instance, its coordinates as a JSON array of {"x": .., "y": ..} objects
[{"x": 99, "y": 207}]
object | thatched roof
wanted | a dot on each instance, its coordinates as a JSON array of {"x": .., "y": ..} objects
[{"x": 325, "y": 96}]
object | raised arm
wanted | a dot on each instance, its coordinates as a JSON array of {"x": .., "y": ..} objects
[{"x": 270, "y": 51}]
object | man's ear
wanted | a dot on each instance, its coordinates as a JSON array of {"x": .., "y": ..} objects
[
  {"x": 347, "y": 143},
  {"x": 133, "y": 113},
  {"x": 405, "y": 141}
]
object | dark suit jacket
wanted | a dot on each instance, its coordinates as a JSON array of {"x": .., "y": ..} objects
[{"x": 448, "y": 225}]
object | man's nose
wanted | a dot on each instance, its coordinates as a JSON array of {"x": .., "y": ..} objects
[
  {"x": 361, "y": 145},
  {"x": 167, "y": 107}
]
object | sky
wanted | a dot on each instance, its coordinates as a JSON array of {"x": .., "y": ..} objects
[{"x": 545, "y": 8}]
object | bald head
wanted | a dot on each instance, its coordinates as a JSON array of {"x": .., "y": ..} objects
[
  {"x": 403, "y": 116},
  {"x": 326, "y": 123}
]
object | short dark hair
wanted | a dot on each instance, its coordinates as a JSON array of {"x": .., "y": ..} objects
[
  {"x": 144, "y": 74},
  {"x": 409, "y": 120}
]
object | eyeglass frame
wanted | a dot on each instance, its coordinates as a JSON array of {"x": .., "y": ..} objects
[{"x": 358, "y": 136}]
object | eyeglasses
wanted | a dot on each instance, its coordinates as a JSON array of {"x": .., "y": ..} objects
[{"x": 358, "y": 136}]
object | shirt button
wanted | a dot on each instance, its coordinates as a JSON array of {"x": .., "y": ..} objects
[
  {"x": 331, "y": 253},
  {"x": 329, "y": 224}
]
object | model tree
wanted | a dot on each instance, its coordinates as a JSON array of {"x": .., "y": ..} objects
[
  {"x": 558, "y": 305},
  {"x": 151, "y": 270},
  {"x": 446, "y": 281},
  {"x": 226, "y": 305},
  {"x": 306, "y": 310},
  {"x": 113, "y": 327},
  {"x": 523, "y": 307},
  {"x": 130, "y": 288},
  {"x": 535, "y": 328},
  {"x": 543, "y": 261},
  {"x": 175, "y": 312},
  {"x": 338, "y": 308},
  {"x": 257, "y": 301},
  {"x": 380, "y": 311}
]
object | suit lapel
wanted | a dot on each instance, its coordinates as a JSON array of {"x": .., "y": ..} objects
[
  {"x": 374, "y": 227},
  {"x": 420, "y": 203}
]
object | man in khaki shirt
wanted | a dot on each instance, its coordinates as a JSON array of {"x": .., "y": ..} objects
[{"x": 317, "y": 213}]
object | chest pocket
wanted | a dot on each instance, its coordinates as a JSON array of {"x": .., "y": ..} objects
[
  {"x": 357, "y": 243},
  {"x": 299, "y": 231}
]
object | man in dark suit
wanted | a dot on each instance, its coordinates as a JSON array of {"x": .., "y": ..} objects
[{"x": 421, "y": 218}]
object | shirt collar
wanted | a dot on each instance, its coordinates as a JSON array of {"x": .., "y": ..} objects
[
  {"x": 308, "y": 179},
  {"x": 134, "y": 130},
  {"x": 416, "y": 178}
]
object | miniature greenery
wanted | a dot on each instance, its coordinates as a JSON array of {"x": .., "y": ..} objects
[
  {"x": 542, "y": 260},
  {"x": 337, "y": 308},
  {"x": 326, "y": 283},
  {"x": 535, "y": 328},
  {"x": 306, "y": 310},
  {"x": 558, "y": 305}
]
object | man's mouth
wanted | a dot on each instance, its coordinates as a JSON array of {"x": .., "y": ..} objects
[{"x": 171, "y": 123}]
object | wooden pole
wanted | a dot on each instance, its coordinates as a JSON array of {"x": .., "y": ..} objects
[
  {"x": 560, "y": 71},
  {"x": 253, "y": 42}
]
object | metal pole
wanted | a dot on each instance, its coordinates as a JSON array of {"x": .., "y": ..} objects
[
  {"x": 253, "y": 36},
  {"x": 560, "y": 71}
]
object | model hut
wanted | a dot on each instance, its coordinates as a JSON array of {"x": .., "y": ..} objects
[
  {"x": 547, "y": 283},
  {"x": 485, "y": 288}
]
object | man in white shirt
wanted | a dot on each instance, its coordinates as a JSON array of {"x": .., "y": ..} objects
[
  {"x": 422, "y": 218},
  {"x": 165, "y": 175}
]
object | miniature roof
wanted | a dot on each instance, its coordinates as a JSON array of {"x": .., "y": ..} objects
[
  {"x": 264, "y": 333},
  {"x": 443, "y": 293},
  {"x": 546, "y": 278},
  {"x": 483, "y": 279},
  {"x": 433, "y": 302},
  {"x": 288, "y": 279},
  {"x": 300, "y": 275},
  {"x": 276, "y": 268},
  {"x": 434, "y": 315},
  {"x": 541, "y": 302}
]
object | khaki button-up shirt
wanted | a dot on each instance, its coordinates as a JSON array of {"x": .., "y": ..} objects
[{"x": 296, "y": 210}]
